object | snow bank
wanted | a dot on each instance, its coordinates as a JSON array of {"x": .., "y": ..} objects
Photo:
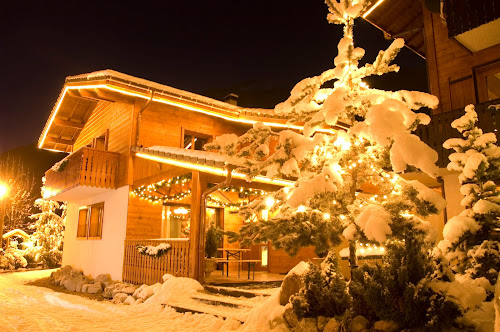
[{"x": 261, "y": 317}]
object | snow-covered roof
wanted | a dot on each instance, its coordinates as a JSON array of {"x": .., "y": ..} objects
[
  {"x": 110, "y": 74},
  {"x": 204, "y": 161},
  {"x": 203, "y": 158},
  {"x": 140, "y": 82},
  {"x": 16, "y": 232}
]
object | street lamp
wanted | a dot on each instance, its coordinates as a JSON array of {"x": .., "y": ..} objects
[{"x": 4, "y": 190}]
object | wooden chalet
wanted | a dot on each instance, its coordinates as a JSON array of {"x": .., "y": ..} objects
[{"x": 135, "y": 175}]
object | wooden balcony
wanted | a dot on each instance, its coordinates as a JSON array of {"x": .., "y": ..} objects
[
  {"x": 141, "y": 269},
  {"x": 84, "y": 173},
  {"x": 439, "y": 129}
]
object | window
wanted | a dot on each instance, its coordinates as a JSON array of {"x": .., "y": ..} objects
[
  {"x": 101, "y": 142},
  {"x": 90, "y": 221},
  {"x": 488, "y": 82},
  {"x": 195, "y": 141}
]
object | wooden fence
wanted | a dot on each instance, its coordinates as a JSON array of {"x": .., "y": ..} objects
[
  {"x": 142, "y": 269},
  {"x": 439, "y": 129},
  {"x": 85, "y": 167}
]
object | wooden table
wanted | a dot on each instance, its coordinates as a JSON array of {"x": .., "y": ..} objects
[{"x": 234, "y": 255}]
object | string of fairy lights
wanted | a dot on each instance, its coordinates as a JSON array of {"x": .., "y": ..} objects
[{"x": 147, "y": 192}]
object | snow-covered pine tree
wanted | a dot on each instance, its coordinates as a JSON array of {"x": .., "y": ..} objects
[
  {"x": 49, "y": 232},
  {"x": 345, "y": 161},
  {"x": 468, "y": 238}
]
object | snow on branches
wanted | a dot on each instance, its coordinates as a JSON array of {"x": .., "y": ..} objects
[{"x": 468, "y": 243}]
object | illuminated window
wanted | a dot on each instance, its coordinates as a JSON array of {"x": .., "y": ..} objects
[{"x": 90, "y": 221}]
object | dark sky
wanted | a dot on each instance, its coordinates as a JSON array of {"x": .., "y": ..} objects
[{"x": 258, "y": 49}]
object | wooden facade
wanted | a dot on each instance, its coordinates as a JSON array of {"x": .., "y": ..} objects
[{"x": 456, "y": 75}]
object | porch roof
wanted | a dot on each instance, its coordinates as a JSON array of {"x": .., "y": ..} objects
[{"x": 203, "y": 161}]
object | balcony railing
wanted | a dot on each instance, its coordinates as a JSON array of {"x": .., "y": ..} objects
[
  {"x": 439, "y": 129},
  {"x": 85, "y": 167},
  {"x": 142, "y": 269}
]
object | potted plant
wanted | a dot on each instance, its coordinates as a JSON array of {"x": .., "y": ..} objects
[{"x": 213, "y": 238}]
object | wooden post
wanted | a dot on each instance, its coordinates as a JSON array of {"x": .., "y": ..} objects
[{"x": 198, "y": 186}]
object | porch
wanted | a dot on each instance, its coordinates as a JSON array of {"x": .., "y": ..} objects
[{"x": 177, "y": 202}]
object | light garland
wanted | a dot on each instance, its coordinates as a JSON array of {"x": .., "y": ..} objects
[{"x": 145, "y": 192}]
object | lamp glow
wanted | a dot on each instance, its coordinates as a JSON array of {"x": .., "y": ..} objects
[{"x": 3, "y": 190}]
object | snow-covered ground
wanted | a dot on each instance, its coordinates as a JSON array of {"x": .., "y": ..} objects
[{"x": 31, "y": 308}]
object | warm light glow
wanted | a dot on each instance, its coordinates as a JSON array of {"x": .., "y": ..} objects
[
  {"x": 301, "y": 208},
  {"x": 364, "y": 85},
  {"x": 372, "y": 8},
  {"x": 344, "y": 145},
  {"x": 270, "y": 202},
  {"x": 181, "y": 210},
  {"x": 326, "y": 216},
  {"x": 265, "y": 214},
  {"x": 3, "y": 190},
  {"x": 214, "y": 170}
]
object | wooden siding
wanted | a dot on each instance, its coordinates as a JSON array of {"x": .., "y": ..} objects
[
  {"x": 280, "y": 262},
  {"x": 86, "y": 167},
  {"x": 117, "y": 118},
  {"x": 163, "y": 125},
  {"x": 143, "y": 219},
  {"x": 452, "y": 68},
  {"x": 141, "y": 269}
]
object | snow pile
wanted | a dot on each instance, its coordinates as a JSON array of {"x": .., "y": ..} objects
[
  {"x": 261, "y": 317},
  {"x": 177, "y": 290}
]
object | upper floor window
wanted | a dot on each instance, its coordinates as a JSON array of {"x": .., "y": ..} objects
[
  {"x": 195, "y": 141},
  {"x": 90, "y": 221},
  {"x": 100, "y": 142}
]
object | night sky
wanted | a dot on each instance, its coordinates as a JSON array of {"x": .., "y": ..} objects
[{"x": 258, "y": 49}]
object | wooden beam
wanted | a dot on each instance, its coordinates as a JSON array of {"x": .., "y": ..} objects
[
  {"x": 88, "y": 94},
  {"x": 93, "y": 95},
  {"x": 66, "y": 123},
  {"x": 196, "y": 252},
  {"x": 58, "y": 141}
]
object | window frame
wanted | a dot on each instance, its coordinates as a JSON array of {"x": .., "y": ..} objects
[
  {"x": 194, "y": 135},
  {"x": 89, "y": 209}
]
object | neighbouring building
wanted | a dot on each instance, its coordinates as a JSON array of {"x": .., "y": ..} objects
[{"x": 460, "y": 41}]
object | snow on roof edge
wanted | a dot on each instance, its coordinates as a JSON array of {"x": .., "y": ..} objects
[{"x": 165, "y": 88}]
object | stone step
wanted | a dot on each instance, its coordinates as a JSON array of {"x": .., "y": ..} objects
[
  {"x": 237, "y": 292},
  {"x": 223, "y": 312},
  {"x": 226, "y": 301}
]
